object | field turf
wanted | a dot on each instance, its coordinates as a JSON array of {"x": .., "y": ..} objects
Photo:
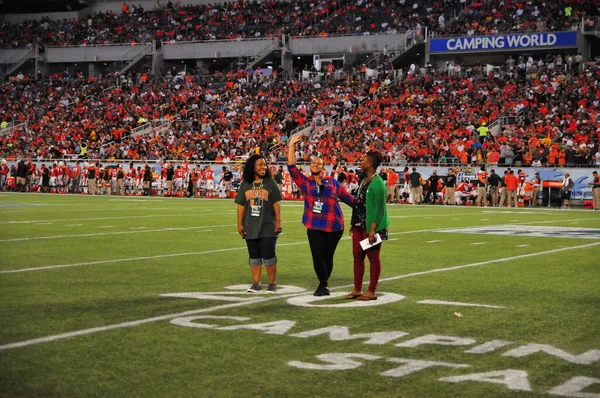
[{"x": 145, "y": 297}]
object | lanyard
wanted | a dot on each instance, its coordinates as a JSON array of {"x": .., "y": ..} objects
[
  {"x": 319, "y": 190},
  {"x": 257, "y": 190}
]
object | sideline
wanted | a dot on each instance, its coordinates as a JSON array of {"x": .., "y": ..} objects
[{"x": 274, "y": 297}]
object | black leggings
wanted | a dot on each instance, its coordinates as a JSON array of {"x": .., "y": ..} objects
[{"x": 322, "y": 247}]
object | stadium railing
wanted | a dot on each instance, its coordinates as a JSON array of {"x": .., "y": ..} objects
[{"x": 12, "y": 126}]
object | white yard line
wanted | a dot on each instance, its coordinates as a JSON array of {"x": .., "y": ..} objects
[
  {"x": 435, "y": 215},
  {"x": 499, "y": 260},
  {"x": 456, "y": 303},
  {"x": 83, "y": 332},
  {"x": 134, "y": 230},
  {"x": 108, "y": 218},
  {"x": 122, "y": 260},
  {"x": 85, "y": 210}
]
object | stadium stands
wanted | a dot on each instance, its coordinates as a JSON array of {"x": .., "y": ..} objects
[{"x": 424, "y": 115}]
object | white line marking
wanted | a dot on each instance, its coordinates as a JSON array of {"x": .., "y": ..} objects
[
  {"x": 132, "y": 323},
  {"x": 521, "y": 245},
  {"x": 108, "y": 218},
  {"x": 485, "y": 219},
  {"x": 477, "y": 243},
  {"x": 440, "y": 302},
  {"x": 122, "y": 260},
  {"x": 73, "y": 225},
  {"x": 436, "y": 215},
  {"x": 456, "y": 219},
  {"x": 185, "y": 229},
  {"x": 137, "y": 228},
  {"x": 433, "y": 241},
  {"x": 275, "y": 297},
  {"x": 114, "y": 233},
  {"x": 106, "y": 226},
  {"x": 500, "y": 260}
]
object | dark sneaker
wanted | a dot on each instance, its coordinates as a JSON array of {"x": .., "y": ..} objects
[
  {"x": 321, "y": 291},
  {"x": 254, "y": 288},
  {"x": 272, "y": 288}
]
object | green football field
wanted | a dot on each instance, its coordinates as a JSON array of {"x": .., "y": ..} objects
[{"x": 145, "y": 297}]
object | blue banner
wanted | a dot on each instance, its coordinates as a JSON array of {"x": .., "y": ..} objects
[{"x": 503, "y": 42}]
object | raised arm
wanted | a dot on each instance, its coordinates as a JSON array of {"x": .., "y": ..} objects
[{"x": 292, "y": 149}]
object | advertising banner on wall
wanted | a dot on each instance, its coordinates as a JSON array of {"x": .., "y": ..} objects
[{"x": 503, "y": 42}]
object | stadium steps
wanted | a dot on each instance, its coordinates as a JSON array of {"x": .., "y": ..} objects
[
  {"x": 138, "y": 54},
  {"x": 254, "y": 56},
  {"x": 18, "y": 59},
  {"x": 158, "y": 126}
]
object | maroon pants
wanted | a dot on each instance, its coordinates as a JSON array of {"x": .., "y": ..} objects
[{"x": 358, "y": 234}]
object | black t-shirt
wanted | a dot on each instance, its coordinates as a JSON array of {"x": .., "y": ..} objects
[
  {"x": 227, "y": 176},
  {"x": 415, "y": 179},
  {"x": 494, "y": 180},
  {"x": 170, "y": 173},
  {"x": 451, "y": 181},
  {"x": 341, "y": 177},
  {"x": 259, "y": 212},
  {"x": 433, "y": 182}
]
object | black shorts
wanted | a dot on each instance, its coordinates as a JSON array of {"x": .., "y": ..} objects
[
  {"x": 566, "y": 195},
  {"x": 262, "y": 250}
]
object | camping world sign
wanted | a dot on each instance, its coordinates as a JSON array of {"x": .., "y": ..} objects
[{"x": 503, "y": 42}]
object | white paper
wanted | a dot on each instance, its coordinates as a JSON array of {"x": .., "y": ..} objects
[{"x": 365, "y": 244}]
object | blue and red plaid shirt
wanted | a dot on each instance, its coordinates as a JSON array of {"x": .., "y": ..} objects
[{"x": 331, "y": 217}]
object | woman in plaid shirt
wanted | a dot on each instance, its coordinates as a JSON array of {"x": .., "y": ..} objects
[{"x": 322, "y": 216}]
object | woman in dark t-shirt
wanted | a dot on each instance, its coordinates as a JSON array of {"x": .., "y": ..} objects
[{"x": 259, "y": 219}]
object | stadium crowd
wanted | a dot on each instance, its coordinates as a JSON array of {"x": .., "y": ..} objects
[
  {"x": 427, "y": 116},
  {"x": 228, "y": 20},
  {"x": 252, "y": 19}
]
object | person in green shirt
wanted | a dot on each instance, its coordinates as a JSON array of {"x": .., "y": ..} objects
[
  {"x": 369, "y": 217},
  {"x": 483, "y": 132}
]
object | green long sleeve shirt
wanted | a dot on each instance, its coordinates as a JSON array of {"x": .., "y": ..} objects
[{"x": 375, "y": 205}]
